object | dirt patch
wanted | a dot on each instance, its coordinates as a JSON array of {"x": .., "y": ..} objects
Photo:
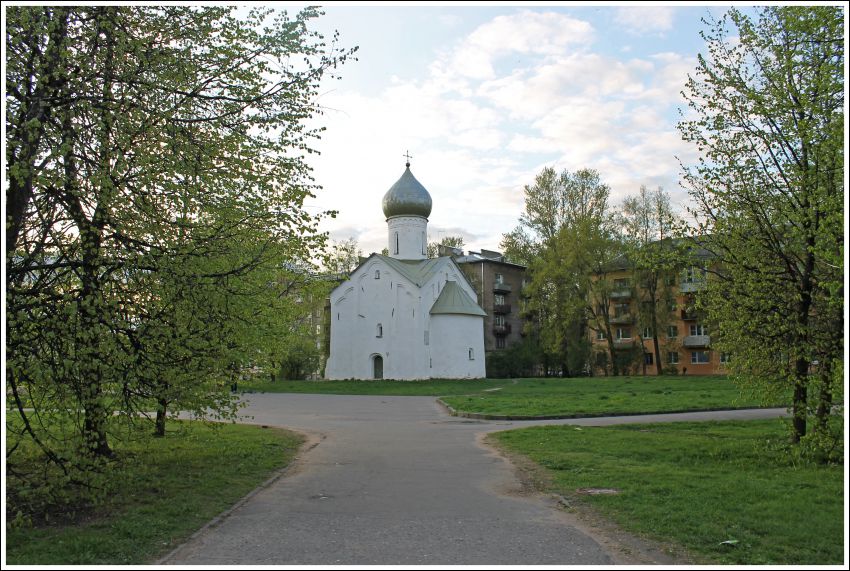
[
  {"x": 625, "y": 548},
  {"x": 597, "y": 491}
]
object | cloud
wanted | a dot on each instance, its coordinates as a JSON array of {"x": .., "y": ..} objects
[
  {"x": 519, "y": 92},
  {"x": 645, "y": 19},
  {"x": 533, "y": 33}
]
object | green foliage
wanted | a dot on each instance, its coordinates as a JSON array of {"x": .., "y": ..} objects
[
  {"x": 768, "y": 117},
  {"x": 157, "y": 244},
  {"x": 343, "y": 257},
  {"x": 698, "y": 485},
  {"x": 648, "y": 224},
  {"x": 566, "y": 236},
  {"x": 300, "y": 357},
  {"x": 519, "y": 360}
]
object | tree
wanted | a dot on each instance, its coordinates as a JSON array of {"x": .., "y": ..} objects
[
  {"x": 648, "y": 225},
  {"x": 566, "y": 239},
  {"x": 433, "y": 249},
  {"x": 768, "y": 118},
  {"x": 156, "y": 181},
  {"x": 343, "y": 257}
]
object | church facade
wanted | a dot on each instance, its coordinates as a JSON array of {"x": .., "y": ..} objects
[{"x": 405, "y": 316}]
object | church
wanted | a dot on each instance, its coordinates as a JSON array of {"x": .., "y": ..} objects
[{"x": 405, "y": 316}]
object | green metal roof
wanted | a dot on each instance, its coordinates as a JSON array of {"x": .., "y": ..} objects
[
  {"x": 417, "y": 271},
  {"x": 407, "y": 197},
  {"x": 454, "y": 300}
]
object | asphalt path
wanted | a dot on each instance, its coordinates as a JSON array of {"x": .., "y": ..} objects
[{"x": 398, "y": 481}]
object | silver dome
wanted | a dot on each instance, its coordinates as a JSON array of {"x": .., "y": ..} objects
[{"x": 407, "y": 197}]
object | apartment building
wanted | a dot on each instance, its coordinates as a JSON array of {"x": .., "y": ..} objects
[
  {"x": 683, "y": 336},
  {"x": 499, "y": 287}
]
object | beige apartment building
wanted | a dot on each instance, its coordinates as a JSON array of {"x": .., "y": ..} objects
[{"x": 684, "y": 339}]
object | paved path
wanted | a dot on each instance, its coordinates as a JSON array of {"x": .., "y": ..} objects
[{"x": 397, "y": 481}]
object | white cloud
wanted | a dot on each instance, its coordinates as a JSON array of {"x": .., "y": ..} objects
[
  {"x": 645, "y": 19},
  {"x": 479, "y": 130},
  {"x": 527, "y": 32}
]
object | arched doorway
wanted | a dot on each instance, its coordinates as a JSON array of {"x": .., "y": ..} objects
[{"x": 377, "y": 367}]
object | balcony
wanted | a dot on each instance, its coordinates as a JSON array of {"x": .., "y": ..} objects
[
  {"x": 620, "y": 294},
  {"x": 502, "y": 308},
  {"x": 502, "y": 287},
  {"x": 690, "y": 287},
  {"x": 688, "y": 315},
  {"x": 502, "y": 329},
  {"x": 626, "y": 343},
  {"x": 621, "y": 319},
  {"x": 696, "y": 341}
]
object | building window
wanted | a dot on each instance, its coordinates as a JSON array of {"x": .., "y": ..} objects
[
  {"x": 621, "y": 310},
  {"x": 379, "y": 332},
  {"x": 600, "y": 335},
  {"x": 499, "y": 320},
  {"x": 694, "y": 275},
  {"x": 699, "y": 329},
  {"x": 672, "y": 331},
  {"x": 471, "y": 354},
  {"x": 699, "y": 357},
  {"x": 725, "y": 358},
  {"x": 423, "y": 244},
  {"x": 499, "y": 299},
  {"x": 427, "y": 337},
  {"x": 647, "y": 332},
  {"x": 500, "y": 279},
  {"x": 377, "y": 274},
  {"x": 647, "y": 358},
  {"x": 622, "y": 283},
  {"x": 624, "y": 333},
  {"x": 395, "y": 249},
  {"x": 674, "y": 306},
  {"x": 500, "y": 342},
  {"x": 672, "y": 357}
]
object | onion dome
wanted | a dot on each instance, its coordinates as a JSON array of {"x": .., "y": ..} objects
[{"x": 407, "y": 197}]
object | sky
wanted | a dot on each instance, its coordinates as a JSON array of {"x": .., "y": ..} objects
[{"x": 484, "y": 97}]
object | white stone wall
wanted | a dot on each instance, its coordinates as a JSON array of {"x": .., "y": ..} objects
[
  {"x": 457, "y": 347},
  {"x": 407, "y": 237},
  {"x": 361, "y": 304}
]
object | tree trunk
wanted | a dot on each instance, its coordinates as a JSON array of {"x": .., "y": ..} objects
[
  {"x": 29, "y": 127},
  {"x": 161, "y": 409},
  {"x": 799, "y": 402}
]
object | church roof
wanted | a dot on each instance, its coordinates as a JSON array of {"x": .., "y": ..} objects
[
  {"x": 407, "y": 197},
  {"x": 454, "y": 300},
  {"x": 417, "y": 271}
]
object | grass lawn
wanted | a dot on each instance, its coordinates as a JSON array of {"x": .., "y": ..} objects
[
  {"x": 699, "y": 484},
  {"x": 433, "y": 388},
  {"x": 601, "y": 396},
  {"x": 545, "y": 397},
  {"x": 161, "y": 492}
]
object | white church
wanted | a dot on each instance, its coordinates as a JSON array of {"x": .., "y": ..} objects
[{"x": 405, "y": 316}]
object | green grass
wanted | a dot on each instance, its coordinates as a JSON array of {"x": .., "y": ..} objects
[
  {"x": 699, "y": 484},
  {"x": 544, "y": 397},
  {"x": 388, "y": 388},
  {"x": 160, "y": 493},
  {"x": 600, "y": 396}
]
